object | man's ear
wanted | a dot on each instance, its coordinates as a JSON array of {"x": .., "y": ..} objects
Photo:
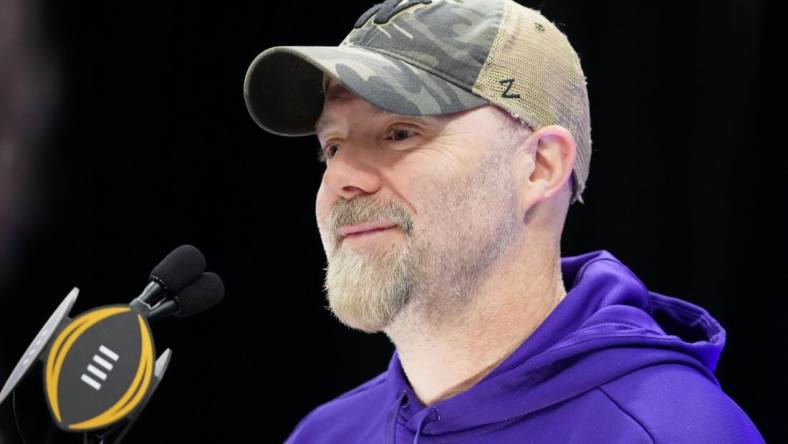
[{"x": 549, "y": 157}]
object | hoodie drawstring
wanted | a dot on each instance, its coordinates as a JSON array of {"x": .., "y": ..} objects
[
  {"x": 402, "y": 401},
  {"x": 433, "y": 416}
]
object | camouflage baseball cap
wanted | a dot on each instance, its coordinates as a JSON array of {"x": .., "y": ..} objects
[{"x": 426, "y": 57}]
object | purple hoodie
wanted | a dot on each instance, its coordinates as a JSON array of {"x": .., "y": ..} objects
[{"x": 613, "y": 363}]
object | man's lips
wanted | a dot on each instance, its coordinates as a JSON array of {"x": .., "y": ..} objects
[{"x": 349, "y": 230}]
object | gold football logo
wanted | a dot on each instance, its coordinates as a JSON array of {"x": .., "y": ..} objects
[{"x": 99, "y": 368}]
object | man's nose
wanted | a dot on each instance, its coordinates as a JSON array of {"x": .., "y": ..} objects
[{"x": 352, "y": 171}]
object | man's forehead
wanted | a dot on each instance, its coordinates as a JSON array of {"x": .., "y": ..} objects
[{"x": 334, "y": 90}]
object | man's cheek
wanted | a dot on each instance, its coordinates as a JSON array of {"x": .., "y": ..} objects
[{"x": 322, "y": 206}]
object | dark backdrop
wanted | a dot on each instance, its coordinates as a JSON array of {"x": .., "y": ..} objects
[{"x": 150, "y": 146}]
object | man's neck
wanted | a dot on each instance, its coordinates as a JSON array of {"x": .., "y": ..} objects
[{"x": 445, "y": 357}]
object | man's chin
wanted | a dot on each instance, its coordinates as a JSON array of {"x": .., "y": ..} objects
[
  {"x": 366, "y": 289},
  {"x": 362, "y": 312}
]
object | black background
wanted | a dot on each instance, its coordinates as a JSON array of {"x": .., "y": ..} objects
[{"x": 150, "y": 146}]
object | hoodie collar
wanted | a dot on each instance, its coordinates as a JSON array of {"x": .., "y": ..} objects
[{"x": 607, "y": 325}]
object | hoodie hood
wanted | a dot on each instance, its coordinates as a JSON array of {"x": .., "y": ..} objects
[{"x": 607, "y": 325}]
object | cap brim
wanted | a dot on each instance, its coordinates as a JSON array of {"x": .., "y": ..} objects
[{"x": 283, "y": 87}]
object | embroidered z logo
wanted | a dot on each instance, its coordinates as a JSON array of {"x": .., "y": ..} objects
[
  {"x": 508, "y": 83},
  {"x": 385, "y": 11}
]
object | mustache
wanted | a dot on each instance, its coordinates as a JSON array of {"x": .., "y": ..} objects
[{"x": 366, "y": 209}]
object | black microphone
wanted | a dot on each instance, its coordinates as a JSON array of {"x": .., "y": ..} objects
[
  {"x": 175, "y": 272},
  {"x": 201, "y": 295}
]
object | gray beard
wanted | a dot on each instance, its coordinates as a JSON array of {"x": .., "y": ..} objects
[
  {"x": 431, "y": 284},
  {"x": 366, "y": 291}
]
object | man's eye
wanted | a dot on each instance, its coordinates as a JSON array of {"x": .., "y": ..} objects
[
  {"x": 400, "y": 133},
  {"x": 327, "y": 152}
]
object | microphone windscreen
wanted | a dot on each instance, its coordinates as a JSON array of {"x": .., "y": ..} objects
[
  {"x": 201, "y": 295},
  {"x": 179, "y": 269}
]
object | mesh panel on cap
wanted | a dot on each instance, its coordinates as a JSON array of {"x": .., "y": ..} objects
[{"x": 533, "y": 72}]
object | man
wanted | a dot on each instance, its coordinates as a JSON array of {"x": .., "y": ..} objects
[{"x": 455, "y": 135}]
